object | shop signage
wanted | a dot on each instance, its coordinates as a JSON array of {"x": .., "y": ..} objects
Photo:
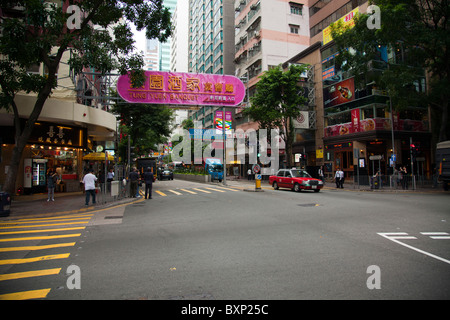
[
  {"x": 175, "y": 88},
  {"x": 347, "y": 21},
  {"x": 53, "y": 134},
  {"x": 218, "y": 122}
]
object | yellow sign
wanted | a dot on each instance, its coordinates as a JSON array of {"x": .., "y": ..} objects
[
  {"x": 347, "y": 20},
  {"x": 319, "y": 154}
]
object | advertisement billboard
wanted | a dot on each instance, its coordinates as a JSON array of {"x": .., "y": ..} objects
[
  {"x": 176, "y": 88},
  {"x": 338, "y": 93}
]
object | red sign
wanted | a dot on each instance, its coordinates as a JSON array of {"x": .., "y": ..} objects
[{"x": 183, "y": 89}]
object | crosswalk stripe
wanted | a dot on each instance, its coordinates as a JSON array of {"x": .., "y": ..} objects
[
  {"x": 41, "y": 238},
  {"x": 34, "y": 259},
  {"x": 228, "y": 189},
  {"x": 25, "y": 295},
  {"x": 41, "y": 230},
  {"x": 161, "y": 193},
  {"x": 7, "y": 224},
  {"x": 82, "y": 215},
  {"x": 188, "y": 191},
  {"x": 214, "y": 189},
  {"x": 29, "y": 274},
  {"x": 45, "y": 225},
  {"x": 177, "y": 193},
  {"x": 33, "y": 248},
  {"x": 201, "y": 190}
]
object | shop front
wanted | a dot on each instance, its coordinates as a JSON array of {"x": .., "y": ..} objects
[{"x": 55, "y": 147}]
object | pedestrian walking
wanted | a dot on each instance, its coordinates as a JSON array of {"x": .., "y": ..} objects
[
  {"x": 341, "y": 179},
  {"x": 148, "y": 179},
  {"x": 51, "y": 184},
  {"x": 89, "y": 181},
  {"x": 249, "y": 174},
  {"x": 321, "y": 175},
  {"x": 336, "y": 177},
  {"x": 134, "y": 180}
]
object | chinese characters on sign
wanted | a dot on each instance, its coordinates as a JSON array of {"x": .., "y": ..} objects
[
  {"x": 183, "y": 88},
  {"x": 48, "y": 133}
]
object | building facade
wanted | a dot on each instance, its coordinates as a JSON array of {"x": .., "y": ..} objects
[
  {"x": 211, "y": 46},
  {"x": 74, "y": 122},
  {"x": 356, "y": 129}
]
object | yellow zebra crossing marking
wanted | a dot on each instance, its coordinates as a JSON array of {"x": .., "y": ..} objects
[
  {"x": 214, "y": 189},
  {"x": 188, "y": 191},
  {"x": 177, "y": 193},
  {"x": 201, "y": 190},
  {"x": 35, "y": 259},
  {"x": 161, "y": 193},
  {"x": 46, "y": 225},
  {"x": 25, "y": 295},
  {"x": 34, "y": 248},
  {"x": 44, "y": 230},
  {"x": 29, "y": 274}
]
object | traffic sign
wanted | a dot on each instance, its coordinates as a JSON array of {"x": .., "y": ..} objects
[
  {"x": 258, "y": 177},
  {"x": 256, "y": 168}
]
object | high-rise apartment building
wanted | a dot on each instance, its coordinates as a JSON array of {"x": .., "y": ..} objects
[
  {"x": 267, "y": 33},
  {"x": 158, "y": 54},
  {"x": 180, "y": 38},
  {"x": 211, "y": 45}
]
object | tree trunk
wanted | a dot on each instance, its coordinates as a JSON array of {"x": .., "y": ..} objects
[{"x": 22, "y": 136}]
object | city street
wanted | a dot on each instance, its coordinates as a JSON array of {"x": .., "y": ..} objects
[{"x": 206, "y": 242}]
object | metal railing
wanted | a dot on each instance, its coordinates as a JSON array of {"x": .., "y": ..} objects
[
  {"x": 112, "y": 191},
  {"x": 408, "y": 182}
]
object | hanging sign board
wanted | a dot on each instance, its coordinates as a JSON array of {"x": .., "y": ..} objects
[{"x": 176, "y": 88}]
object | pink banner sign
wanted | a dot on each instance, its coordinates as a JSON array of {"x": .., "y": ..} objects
[{"x": 183, "y": 89}]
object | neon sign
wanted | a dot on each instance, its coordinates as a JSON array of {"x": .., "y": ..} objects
[{"x": 183, "y": 89}]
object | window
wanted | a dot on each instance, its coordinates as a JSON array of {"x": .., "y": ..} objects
[
  {"x": 296, "y": 9},
  {"x": 280, "y": 173},
  {"x": 294, "y": 28}
]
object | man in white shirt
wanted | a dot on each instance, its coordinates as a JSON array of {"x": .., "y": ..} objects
[{"x": 89, "y": 185}]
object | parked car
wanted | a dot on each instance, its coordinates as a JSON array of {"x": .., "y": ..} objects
[
  {"x": 296, "y": 180},
  {"x": 166, "y": 173}
]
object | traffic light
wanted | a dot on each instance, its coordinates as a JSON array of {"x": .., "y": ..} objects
[{"x": 415, "y": 150}]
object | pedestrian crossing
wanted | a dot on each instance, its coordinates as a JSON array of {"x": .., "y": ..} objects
[
  {"x": 26, "y": 245},
  {"x": 192, "y": 191}
]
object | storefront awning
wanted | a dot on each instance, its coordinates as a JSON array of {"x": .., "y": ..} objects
[{"x": 97, "y": 156}]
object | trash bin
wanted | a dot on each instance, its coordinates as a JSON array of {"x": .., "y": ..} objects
[{"x": 5, "y": 204}]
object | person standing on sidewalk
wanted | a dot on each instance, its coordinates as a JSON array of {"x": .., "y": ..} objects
[
  {"x": 51, "y": 184},
  {"x": 89, "y": 186},
  {"x": 148, "y": 179},
  {"x": 134, "y": 180}
]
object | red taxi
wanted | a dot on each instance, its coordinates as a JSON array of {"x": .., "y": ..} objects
[{"x": 296, "y": 180}]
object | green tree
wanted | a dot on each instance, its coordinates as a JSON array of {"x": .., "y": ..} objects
[
  {"x": 40, "y": 34},
  {"x": 278, "y": 100},
  {"x": 147, "y": 124},
  {"x": 417, "y": 32}
]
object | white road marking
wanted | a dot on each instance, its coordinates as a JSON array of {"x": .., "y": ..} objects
[{"x": 394, "y": 236}]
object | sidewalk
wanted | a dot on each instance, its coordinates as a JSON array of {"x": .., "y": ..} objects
[
  {"x": 36, "y": 205},
  {"x": 348, "y": 186}
]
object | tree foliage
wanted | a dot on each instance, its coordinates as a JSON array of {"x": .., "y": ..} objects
[
  {"x": 417, "y": 31},
  {"x": 147, "y": 125},
  {"x": 278, "y": 100},
  {"x": 37, "y": 32}
]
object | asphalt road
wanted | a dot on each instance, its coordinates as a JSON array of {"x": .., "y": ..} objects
[{"x": 190, "y": 242}]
